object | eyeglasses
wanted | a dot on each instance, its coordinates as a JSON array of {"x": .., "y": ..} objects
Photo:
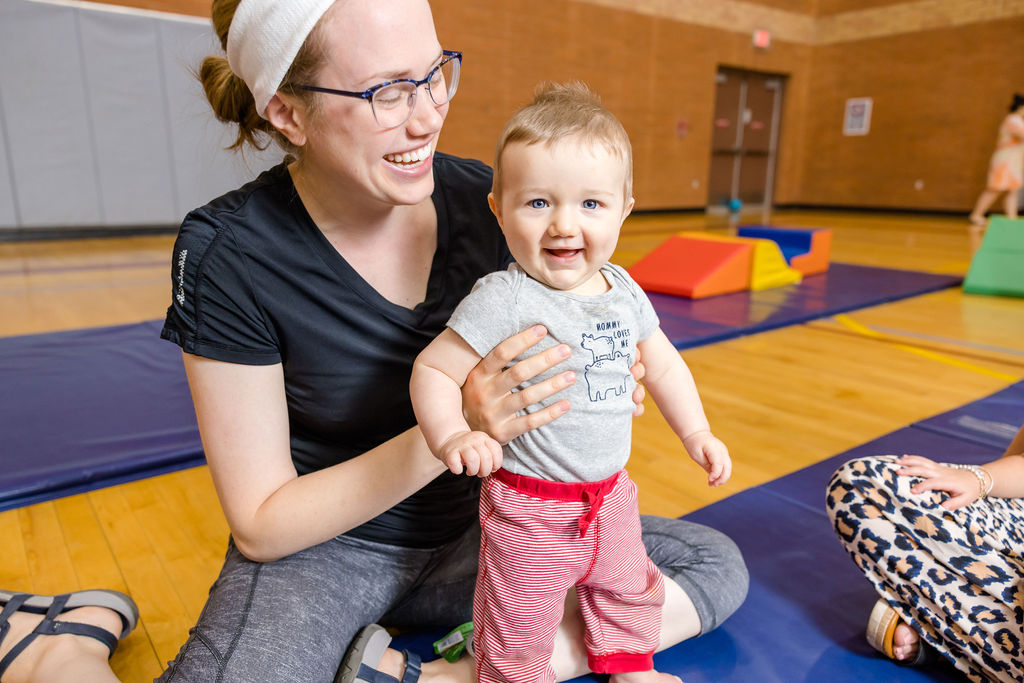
[{"x": 393, "y": 102}]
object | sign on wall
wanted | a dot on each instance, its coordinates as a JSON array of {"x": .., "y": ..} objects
[{"x": 857, "y": 120}]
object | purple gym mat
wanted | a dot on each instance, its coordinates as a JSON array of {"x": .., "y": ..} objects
[
  {"x": 89, "y": 408},
  {"x": 695, "y": 322}
]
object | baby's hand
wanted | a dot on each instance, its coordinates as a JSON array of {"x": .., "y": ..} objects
[
  {"x": 711, "y": 454},
  {"x": 475, "y": 452}
]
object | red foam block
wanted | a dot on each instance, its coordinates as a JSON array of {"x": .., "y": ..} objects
[{"x": 695, "y": 268}]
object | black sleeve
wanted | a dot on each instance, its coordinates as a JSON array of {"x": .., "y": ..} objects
[
  {"x": 214, "y": 311},
  {"x": 469, "y": 181}
]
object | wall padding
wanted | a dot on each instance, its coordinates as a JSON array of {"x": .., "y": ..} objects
[{"x": 103, "y": 121}]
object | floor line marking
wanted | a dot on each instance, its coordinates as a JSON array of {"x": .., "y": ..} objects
[{"x": 852, "y": 324}]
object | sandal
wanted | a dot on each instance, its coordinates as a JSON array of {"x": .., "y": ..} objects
[
  {"x": 53, "y": 605},
  {"x": 881, "y": 635},
  {"x": 364, "y": 654}
]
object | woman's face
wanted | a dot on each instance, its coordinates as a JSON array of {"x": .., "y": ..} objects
[{"x": 369, "y": 42}]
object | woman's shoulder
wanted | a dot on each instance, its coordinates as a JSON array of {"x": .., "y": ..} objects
[
  {"x": 242, "y": 210},
  {"x": 267, "y": 186},
  {"x": 459, "y": 172}
]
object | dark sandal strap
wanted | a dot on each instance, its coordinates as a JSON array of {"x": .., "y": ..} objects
[
  {"x": 10, "y": 608},
  {"x": 371, "y": 675},
  {"x": 926, "y": 654},
  {"x": 56, "y": 628},
  {"x": 5, "y": 614},
  {"x": 413, "y": 667},
  {"x": 48, "y": 627}
]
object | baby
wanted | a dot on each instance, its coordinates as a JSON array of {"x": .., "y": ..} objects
[{"x": 558, "y": 510}]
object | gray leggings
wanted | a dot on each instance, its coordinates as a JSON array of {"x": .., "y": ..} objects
[{"x": 292, "y": 620}]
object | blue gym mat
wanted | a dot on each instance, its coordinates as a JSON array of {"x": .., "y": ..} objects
[
  {"x": 807, "y": 608},
  {"x": 85, "y": 409},
  {"x": 89, "y": 408},
  {"x": 844, "y": 287}
]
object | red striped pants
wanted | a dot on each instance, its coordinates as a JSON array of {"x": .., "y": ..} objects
[{"x": 539, "y": 538}]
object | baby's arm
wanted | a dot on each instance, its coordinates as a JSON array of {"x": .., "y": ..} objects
[
  {"x": 437, "y": 378},
  {"x": 671, "y": 385}
]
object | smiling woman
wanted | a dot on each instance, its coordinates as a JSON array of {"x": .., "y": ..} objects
[{"x": 300, "y": 302}]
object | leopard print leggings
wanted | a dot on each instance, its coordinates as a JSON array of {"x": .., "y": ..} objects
[{"x": 957, "y": 578}]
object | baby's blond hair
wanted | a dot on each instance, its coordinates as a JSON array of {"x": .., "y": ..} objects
[{"x": 561, "y": 110}]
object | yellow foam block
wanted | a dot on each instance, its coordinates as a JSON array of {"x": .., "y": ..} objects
[{"x": 768, "y": 266}]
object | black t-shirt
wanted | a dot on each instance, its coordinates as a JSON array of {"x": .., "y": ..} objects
[{"x": 255, "y": 282}]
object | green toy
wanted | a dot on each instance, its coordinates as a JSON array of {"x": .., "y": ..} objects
[
  {"x": 997, "y": 268},
  {"x": 455, "y": 643}
]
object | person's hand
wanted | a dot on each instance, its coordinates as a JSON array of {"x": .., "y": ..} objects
[
  {"x": 475, "y": 453},
  {"x": 490, "y": 405},
  {"x": 961, "y": 485},
  {"x": 709, "y": 452},
  {"x": 638, "y": 371}
]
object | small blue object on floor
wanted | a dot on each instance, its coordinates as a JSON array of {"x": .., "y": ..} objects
[
  {"x": 85, "y": 409},
  {"x": 805, "y": 615},
  {"x": 845, "y": 287}
]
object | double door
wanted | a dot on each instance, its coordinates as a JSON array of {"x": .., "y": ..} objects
[{"x": 745, "y": 137}]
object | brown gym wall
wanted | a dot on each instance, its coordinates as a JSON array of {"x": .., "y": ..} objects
[{"x": 940, "y": 79}]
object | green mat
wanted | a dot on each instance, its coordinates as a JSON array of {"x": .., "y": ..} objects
[{"x": 997, "y": 268}]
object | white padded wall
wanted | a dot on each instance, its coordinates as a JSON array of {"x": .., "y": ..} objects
[
  {"x": 8, "y": 208},
  {"x": 125, "y": 88},
  {"x": 203, "y": 168},
  {"x": 105, "y": 123},
  {"x": 46, "y": 113}
]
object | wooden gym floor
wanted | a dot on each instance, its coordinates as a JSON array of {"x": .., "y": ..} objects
[{"x": 781, "y": 400}]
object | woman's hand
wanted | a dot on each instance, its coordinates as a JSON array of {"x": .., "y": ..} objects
[
  {"x": 961, "y": 485},
  {"x": 638, "y": 371},
  {"x": 490, "y": 405}
]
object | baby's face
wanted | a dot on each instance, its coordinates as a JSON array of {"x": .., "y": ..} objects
[{"x": 561, "y": 209}]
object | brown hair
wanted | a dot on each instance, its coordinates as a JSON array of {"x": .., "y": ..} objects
[
  {"x": 229, "y": 96},
  {"x": 561, "y": 110}
]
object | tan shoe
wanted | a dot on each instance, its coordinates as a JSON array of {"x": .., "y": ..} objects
[{"x": 881, "y": 635}]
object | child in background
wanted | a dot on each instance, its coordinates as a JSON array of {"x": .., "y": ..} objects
[
  {"x": 558, "y": 510},
  {"x": 1006, "y": 168}
]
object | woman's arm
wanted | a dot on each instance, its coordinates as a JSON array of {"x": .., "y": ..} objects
[
  {"x": 273, "y": 512},
  {"x": 1016, "y": 446},
  {"x": 1007, "y": 476},
  {"x": 1008, "y": 472},
  {"x": 963, "y": 487}
]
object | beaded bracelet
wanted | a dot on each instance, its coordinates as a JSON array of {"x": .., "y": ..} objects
[{"x": 983, "y": 488}]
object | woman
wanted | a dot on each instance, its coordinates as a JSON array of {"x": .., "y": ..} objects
[
  {"x": 942, "y": 545},
  {"x": 300, "y": 302},
  {"x": 1006, "y": 169}
]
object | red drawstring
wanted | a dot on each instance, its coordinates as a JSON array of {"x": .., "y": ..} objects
[{"x": 594, "y": 500}]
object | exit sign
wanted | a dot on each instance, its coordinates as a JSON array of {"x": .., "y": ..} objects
[{"x": 762, "y": 38}]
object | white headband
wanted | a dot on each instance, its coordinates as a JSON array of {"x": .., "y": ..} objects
[{"x": 264, "y": 37}]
